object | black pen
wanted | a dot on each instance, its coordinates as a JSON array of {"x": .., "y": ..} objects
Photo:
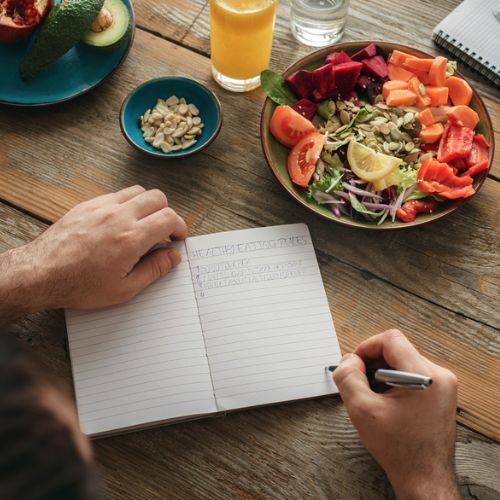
[{"x": 395, "y": 378}]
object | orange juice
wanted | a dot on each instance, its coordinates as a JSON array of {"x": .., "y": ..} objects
[{"x": 241, "y": 39}]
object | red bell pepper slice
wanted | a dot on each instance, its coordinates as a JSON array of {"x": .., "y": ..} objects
[
  {"x": 410, "y": 209},
  {"x": 436, "y": 177},
  {"x": 479, "y": 151},
  {"x": 475, "y": 169},
  {"x": 456, "y": 142}
]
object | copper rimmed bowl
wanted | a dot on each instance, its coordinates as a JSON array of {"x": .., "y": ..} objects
[{"x": 276, "y": 154}]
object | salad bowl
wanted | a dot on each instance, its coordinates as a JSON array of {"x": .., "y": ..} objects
[{"x": 276, "y": 154}]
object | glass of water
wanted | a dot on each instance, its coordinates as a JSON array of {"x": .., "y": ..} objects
[{"x": 318, "y": 22}]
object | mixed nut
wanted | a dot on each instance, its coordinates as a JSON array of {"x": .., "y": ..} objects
[{"x": 172, "y": 124}]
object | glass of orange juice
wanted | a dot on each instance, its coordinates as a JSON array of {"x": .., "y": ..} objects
[{"x": 241, "y": 36}]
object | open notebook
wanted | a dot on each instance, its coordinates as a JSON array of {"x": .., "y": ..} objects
[{"x": 243, "y": 321}]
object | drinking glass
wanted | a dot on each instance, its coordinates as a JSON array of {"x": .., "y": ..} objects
[
  {"x": 318, "y": 23},
  {"x": 241, "y": 37}
]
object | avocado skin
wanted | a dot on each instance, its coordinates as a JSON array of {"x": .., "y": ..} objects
[
  {"x": 64, "y": 27},
  {"x": 119, "y": 43}
]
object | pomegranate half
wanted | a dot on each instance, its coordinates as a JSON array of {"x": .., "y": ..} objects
[{"x": 18, "y": 18}]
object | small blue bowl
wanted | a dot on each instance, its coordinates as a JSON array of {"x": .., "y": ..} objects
[{"x": 145, "y": 96}]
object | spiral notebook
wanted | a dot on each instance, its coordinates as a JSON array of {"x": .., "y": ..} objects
[
  {"x": 471, "y": 33},
  {"x": 243, "y": 321}
]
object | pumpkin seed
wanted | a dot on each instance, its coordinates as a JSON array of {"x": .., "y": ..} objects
[{"x": 344, "y": 117}]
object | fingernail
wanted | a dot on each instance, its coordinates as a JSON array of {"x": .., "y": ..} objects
[
  {"x": 174, "y": 256},
  {"x": 347, "y": 356}
]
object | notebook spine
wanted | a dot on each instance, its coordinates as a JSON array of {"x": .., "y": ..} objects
[{"x": 462, "y": 53}]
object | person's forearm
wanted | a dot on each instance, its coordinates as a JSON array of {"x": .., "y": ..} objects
[
  {"x": 20, "y": 285},
  {"x": 443, "y": 487}
]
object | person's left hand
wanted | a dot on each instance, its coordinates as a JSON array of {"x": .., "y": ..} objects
[{"x": 94, "y": 255}]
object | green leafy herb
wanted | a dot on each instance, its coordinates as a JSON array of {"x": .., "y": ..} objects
[
  {"x": 361, "y": 115},
  {"x": 356, "y": 205},
  {"x": 275, "y": 87},
  {"x": 325, "y": 109},
  {"x": 331, "y": 180}
]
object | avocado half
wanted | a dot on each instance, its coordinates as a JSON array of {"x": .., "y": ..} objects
[
  {"x": 112, "y": 28},
  {"x": 63, "y": 28}
]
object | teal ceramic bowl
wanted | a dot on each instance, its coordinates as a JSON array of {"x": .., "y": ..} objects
[
  {"x": 80, "y": 70},
  {"x": 145, "y": 96}
]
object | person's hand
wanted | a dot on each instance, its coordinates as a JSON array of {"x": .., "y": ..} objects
[
  {"x": 411, "y": 433},
  {"x": 94, "y": 256}
]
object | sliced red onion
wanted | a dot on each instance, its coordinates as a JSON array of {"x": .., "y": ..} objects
[
  {"x": 382, "y": 219},
  {"x": 410, "y": 190},
  {"x": 376, "y": 206},
  {"x": 342, "y": 194},
  {"x": 326, "y": 198},
  {"x": 336, "y": 211},
  {"x": 397, "y": 204},
  {"x": 360, "y": 192}
]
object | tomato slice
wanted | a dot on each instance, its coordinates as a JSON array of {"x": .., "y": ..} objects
[
  {"x": 289, "y": 127},
  {"x": 408, "y": 212},
  {"x": 436, "y": 177},
  {"x": 303, "y": 158},
  {"x": 456, "y": 142}
]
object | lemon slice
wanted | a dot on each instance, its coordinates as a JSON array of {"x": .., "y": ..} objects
[
  {"x": 393, "y": 179},
  {"x": 368, "y": 164}
]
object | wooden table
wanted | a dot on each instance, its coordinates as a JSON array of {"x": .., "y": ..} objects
[{"x": 438, "y": 283}]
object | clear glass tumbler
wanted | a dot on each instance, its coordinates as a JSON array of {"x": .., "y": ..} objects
[
  {"x": 318, "y": 23},
  {"x": 241, "y": 37}
]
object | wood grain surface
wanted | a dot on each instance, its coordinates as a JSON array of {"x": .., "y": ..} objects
[
  {"x": 300, "y": 450},
  {"x": 439, "y": 283}
]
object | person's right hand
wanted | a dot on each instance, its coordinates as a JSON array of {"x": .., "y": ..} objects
[
  {"x": 411, "y": 433},
  {"x": 94, "y": 255}
]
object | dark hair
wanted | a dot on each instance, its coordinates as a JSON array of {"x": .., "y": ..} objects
[{"x": 39, "y": 459}]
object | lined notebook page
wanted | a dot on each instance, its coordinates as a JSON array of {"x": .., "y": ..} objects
[
  {"x": 265, "y": 316},
  {"x": 144, "y": 361}
]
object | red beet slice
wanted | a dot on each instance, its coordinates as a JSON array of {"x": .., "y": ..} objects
[
  {"x": 376, "y": 67},
  {"x": 337, "y": 58},
  {"x": 346, "y": 76},
  {"x": 301, "y": 82},
  {"x": 317, "y": 96},
  {"x": 363, "y": 82},
  {"x": 306, "y": 108},
  {"x": 324, "y": 79},
  {"x": 368, "y": 51}
]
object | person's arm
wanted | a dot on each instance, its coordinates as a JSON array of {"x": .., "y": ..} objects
[
  {"x": 411, "y": 433},
  {"x": 93, "y": 256}
]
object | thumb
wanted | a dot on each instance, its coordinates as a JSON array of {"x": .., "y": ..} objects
[
  {"x": 350, "y": 378},
  {"x": 152, "y": 267}
]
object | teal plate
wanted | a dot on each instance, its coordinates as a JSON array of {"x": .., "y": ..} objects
[{"x": 81, "y": 69}]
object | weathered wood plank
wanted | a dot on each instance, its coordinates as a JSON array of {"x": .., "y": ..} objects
[
  {"x": 315, "y": 451},
  {"x": 171, "y": 19},
  {"x": 87, "y": 156},
  {"x": 363, "y": 304}
]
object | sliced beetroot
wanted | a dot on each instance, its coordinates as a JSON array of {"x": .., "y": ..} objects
[
  {"x": 301, "y": 83},
  {"x": 363, "y": 82},
  {"x": 368, "y": 51},
  {"x": 324, "y": 79},
  {"x": 317, "y": 96},
  {"x": 337, "y": 58},
  {"x": 351, "y": 96},
  {"x": 373, "y": 89},
  {"x": 306, "y": 108},
  {"x": 346, "y": 76},
  {"x": 376, "y": 67}
]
